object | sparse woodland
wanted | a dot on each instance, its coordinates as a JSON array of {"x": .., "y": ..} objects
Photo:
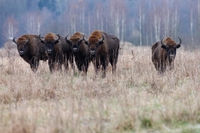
[{"x": 141, "y": 22}]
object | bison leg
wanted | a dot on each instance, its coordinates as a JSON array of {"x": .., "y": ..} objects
[
  {"x": 51, "y": 65},
  {"x": 71, "y": 60},
  {"x": 59, "y": 67},
  {"x": 113, "y": 64},
  {"x": 162, "y": 67},
  {"x": 115, "y": 61},
  {"x": 60, "y": 61},
  {"x": 171, "y": 65},
  {"x": 85, "y": 66},
  {"x": 34, "y": 63},
  {"x": 156, "y": 65},
  {"x": 104, "y": 65},
  {"x": 66, "y": 58},
  {"x": 96, "y": 64}
]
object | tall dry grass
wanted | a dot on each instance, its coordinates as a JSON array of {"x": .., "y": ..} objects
[{"x": 136, "y": 99}]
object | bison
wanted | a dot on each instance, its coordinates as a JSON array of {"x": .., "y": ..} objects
[
  {"x": 164, "y": 53},
  {"x": 103, "y": 49},
  {"x": 80, "y": 51},
  {"x": 58, "y": 51},
  {"x": 31, "y": 50}
]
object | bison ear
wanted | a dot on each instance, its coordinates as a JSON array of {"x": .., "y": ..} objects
[
  {"x": 67, "y": 40},
  {"x": 42, "y": 41},
  {"x": 14, "y": 40},
  {"x": 164, "y": 46},
  {"x": 178, "y": 46},
  {"x": 101, "y": 42},
  {"x": 57, "y": 41},
  {"x": 86, "y": 42}
]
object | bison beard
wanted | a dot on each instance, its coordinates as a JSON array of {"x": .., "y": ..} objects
[
  {"x": 31, "y": 50},
  {"x": 103, "y": 49},
  {"x": 164, "y": 53}
]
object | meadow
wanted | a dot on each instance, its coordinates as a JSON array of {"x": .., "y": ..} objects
[{"x": 135, "y": 100}]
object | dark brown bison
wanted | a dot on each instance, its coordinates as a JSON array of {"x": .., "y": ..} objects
[
  {"x": 31, "y": 50},
  {"x": 103, "y": 49},
  {"x": 164, "y": 53},
  {"x": 59, "y": 52},
  {"x": 80, "y": 51}
]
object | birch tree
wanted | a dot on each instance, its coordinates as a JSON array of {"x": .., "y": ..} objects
[
  {"x": 10, "y": 28},
  {"x": 117, "y": 14},
  {"x": 157, "y": 23},
  {"x": 33, "y": 23},
  {"x": 140, "y": 24}
]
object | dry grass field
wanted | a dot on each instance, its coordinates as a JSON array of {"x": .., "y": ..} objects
[{"x": 135, "y": 100}]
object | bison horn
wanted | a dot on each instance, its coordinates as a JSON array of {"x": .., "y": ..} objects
[
  {"x": 66, "y": 38},
  {"x": 179, "y": 41},
  {"x": 40, "y": 37},
  {"x": 14, "y": 40},
  {"x": 27, "y": 40},
  {"x": 81, "y": 39},
  {"x": 100, "y": 40},
  {"x": 58, "y": 37},
  {"x": 162, "y": 41},
  {"x": 85, "y": 38}
]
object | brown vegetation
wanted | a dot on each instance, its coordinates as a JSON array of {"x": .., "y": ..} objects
[{"x": 136, "y": 99}]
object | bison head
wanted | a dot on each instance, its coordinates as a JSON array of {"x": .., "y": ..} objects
[
  {"x": 74, "y": 42},
  {"x": 49, "y": 41},
  {"x": 93, "y": 44},
  {"x": 22, "y": 43},
  {"x": 170, "y": 46}
]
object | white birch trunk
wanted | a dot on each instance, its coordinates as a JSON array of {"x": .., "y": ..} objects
[
  {"x": 117, "y": 25},
  {"x": 140, "y": 25},
  {"x": 122, "y": 26},
  {"x": 10, "y": 30},
  {"x": 167, "y": 21},
  {"x": 191, "y": 26},
  {"x": 89, "y": 24},
  {"x": 83, "y": 19},
  {"x": 176, "y": 21}
]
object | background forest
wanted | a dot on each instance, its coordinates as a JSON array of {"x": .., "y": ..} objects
[{"x": 141, "y": 22}]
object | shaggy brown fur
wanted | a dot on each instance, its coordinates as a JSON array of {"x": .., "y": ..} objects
[
  {"x": 103, "y": 49},
  {"x": 58, "y": 50},
  {"x": 169, "y": 42},
  {"x": 31, "y": 50},
  {"x": 80, "y": 51},
  {"x": 76, "y": 36},
  {"x": 163, "y": 54}
]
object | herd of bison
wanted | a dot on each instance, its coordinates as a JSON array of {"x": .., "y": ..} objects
[{"x": 100, "y": 48}]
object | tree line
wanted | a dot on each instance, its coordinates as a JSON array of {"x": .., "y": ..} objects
[{"x": 141, "y": 22}]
